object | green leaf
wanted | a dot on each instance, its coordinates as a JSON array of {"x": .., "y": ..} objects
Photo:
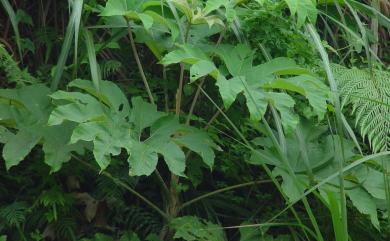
[
  {"x": 18, "y": 146},
  {"x": 5, "y": 134},
  {"x": 365, "y": 203},
  {"x": 121, "y": 7},
  {"x": 313, "y": 89},
  {"x": 110, "y": 94},
  {"x": 304, "y": 9},
  {"x": 238, "y": 59},
  {"x": 191, "y": 228},
  {"x": 188, "y": 54},
  {"x": 55, "y": 145},
  {"x": 143, "y": 114},
  {"x": 173, "y": 156},
  {"x": 108, "y": 138},
  {"x": 250, "y": 234},
  {"x": 146, "y": 20},
  {"x": 129, "y": 237},
  {"x": 160, "y": 140},
  {"x": 289, "y": 186},
  {"x": 229, "y": 89},
  {"x": 284, "y": 104},
  {"x": 143, "y": 159},
  {"x": 256, "y": 102},
  {"x": 200, "y": 143},
  {"x": 75, "y": 112},
  {"x": 202, "y": 68}
]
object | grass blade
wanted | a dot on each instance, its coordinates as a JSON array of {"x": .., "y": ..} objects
[
  {"x": 339, "y": 123},
  {"x": 77, "y": 8},
  {"x": 94, "y": 67},
  {"x": 12, "y": 17},
  {"x": 70, "y": 32}
]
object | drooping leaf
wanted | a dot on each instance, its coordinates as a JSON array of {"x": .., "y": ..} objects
[
  {"x": 284, "y": 104},
  {"x": 200, "y": 143},
  {"x": 229, "y": 89},
  {"x": 142, "y": 160},
  {"x": 18, "y": 146},
  {"x": 365, "y": 203},
  {"x": 143, "y": 114},
  {"x": 174, "y": 157},
  {"x": 256, "y": 102},
  {"x": 313, "y": 89},
  {"x": 56, "y": 145}
]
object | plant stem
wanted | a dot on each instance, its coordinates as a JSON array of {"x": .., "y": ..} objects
[
  {"x": 179, "y": 91},
  {"x": 201, "y": 83},
  {"x": 223, "y": 190},
  {"x": 139, "y": 64},
  {"x": 249, "y": 146},
  {"x": 124, "y": 185},
  {"x": 151, "y": 99},
  {"x": 336, "y": 101}
]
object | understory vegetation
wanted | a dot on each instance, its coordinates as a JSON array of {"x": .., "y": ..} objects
[{"x": 194, "y": 120}]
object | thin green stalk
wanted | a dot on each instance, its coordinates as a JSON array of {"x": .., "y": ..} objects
[
  {"x": 363, "y": 32},
  {"x": 195, "y": 99},
  {"x": 270, "y": 224},
  {"x": 179, "y": 91},
  {"x": 336, "y": 101},
  {"x": 282, "y": 151},
  {"x": 330, "y": 178},
  {"x": 249, "y": 146},
  {"x": 188, "y": 203},
  {"x": 124, "y": 185},
  {"x": 70, "y": 32},
  {"x": 12, "y": 17},
  {"x": 138, "y": 61},
  {"x": 375, "y": 27},
  {"x": 93, "y": 65},
  {"x": 283, "y": 154}
]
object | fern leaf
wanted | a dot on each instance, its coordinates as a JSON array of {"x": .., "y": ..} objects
[
  {"x": 369, "y": 94},
  {"x": 12, "y": 71},
  {"x": 14, "y": 214}
]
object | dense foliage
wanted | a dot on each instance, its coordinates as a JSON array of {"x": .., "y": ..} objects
[{"x": 194, "y": 120}]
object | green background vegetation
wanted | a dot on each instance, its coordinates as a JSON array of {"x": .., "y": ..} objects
[{"x": 195, "y": 120}]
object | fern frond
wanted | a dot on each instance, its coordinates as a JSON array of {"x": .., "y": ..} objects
[
  {"x": 12, "y": 71},
  {"x": 369, "y": 94},
  {"x": 14, "y": 214},
  {"x": 109, "y": 67},
  {"x": 139, "y": 220}
]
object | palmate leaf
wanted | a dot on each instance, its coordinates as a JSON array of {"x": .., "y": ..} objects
[
  {"x": 254, "y": 82},
  {"x": 368, "y": 94},
  {"x": 105, "y": 119},
  {"x": 323, "y": 152},
  {"x": 101, "y": 119},
  {"x": 28, "y": 109},
  {"x": 315, "y": 91}
]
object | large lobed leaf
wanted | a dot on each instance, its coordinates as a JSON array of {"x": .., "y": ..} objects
[{"x": 254, "y": 82}]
